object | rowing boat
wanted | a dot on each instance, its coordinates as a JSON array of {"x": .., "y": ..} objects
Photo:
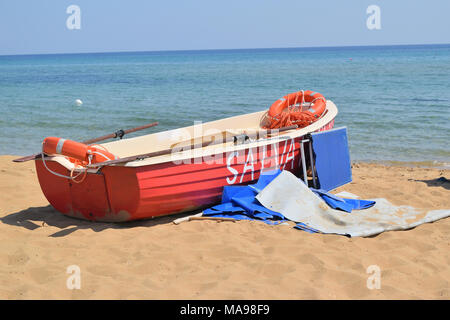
[{"x": 146, "y": 183}]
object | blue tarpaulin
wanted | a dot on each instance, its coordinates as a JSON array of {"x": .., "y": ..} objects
[
  {"x": 239, "y": 202},
  {"x": 343, "y": 204}
]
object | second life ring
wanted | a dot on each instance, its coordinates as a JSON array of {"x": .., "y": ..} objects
[
  {"x": 76, "y": 150},
  {"x": 289, "y": 111}
]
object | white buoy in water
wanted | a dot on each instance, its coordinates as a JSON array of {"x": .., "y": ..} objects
[{"x": 78, "y": 102}]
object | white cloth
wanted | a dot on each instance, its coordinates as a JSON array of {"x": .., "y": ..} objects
[{"x": 289, "y": 196}]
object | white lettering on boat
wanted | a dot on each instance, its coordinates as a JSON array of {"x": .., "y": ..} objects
[
  {"x": 264, "y": 152},
  {"x": 282, "y": 155},
  {"x": 275, "y": 148},
  {"x": 240, "y": 163},
  {"x": 231, "y": 169},
  {"x": 262, "y": 158},
  {"x": 249, "y": 164},
  {"x": 292, "y": 154}
]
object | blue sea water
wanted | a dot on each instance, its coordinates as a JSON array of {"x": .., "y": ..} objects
[{"x": 395, "y": 100}]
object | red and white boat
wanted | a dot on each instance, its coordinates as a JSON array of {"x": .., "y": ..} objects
[{"x": 184, "y": 180}]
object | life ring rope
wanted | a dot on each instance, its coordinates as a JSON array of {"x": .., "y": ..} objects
[
  {"x": 81, "y": 155},
  {"x": 282, "y": 113},
  {"x": 71, "y": 177}
]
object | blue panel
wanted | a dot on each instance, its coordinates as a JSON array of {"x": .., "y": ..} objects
[{"x": 332, "y": 158}]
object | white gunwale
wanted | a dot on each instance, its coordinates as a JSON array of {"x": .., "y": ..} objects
[{"x": 166, "y": 139}]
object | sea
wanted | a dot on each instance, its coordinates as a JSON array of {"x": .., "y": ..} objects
[{"x": 394, "y": 100}]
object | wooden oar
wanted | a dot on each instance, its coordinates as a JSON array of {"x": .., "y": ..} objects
[
  {"x": 201, "y": 217},
  {"x": 237, "y": 138},
  {"x": 119, "y": 133}
]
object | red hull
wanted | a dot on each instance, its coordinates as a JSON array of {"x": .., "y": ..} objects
[{"x": 119, "y": 193}]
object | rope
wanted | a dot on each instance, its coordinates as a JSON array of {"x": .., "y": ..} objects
[
  {"x": 71, "y": 177},
  {"x": 77, "y": 164},
  {"x": 294, "y": 116},
  {"x": 98, "y": 145},
  {"x": 101, "y": 154},
  {"x": 74, "y": 178}
]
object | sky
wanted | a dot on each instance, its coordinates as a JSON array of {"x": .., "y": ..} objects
[{"x": 39, "y": 27}]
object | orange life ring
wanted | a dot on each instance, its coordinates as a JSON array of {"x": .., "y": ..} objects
[
  {"x": 76, "y": 150},
  {"x": 279, "y": 117}
]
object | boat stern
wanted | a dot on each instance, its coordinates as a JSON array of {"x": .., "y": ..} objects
[{"x": 90, "y": 199}]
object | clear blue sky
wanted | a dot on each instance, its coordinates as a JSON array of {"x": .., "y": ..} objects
[{"x": 31, "y": 27}]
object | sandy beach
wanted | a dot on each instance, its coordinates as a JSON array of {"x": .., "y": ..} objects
[{"x": 156, "y": 259}]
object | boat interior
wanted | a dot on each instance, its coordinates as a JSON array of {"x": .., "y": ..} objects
[{"x": 181, "y": 140}]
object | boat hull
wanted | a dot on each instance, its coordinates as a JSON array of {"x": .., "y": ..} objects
[{"x": 122, "y": 193}]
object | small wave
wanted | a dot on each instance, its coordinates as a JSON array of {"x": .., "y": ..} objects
[{"x": 428, "y": 100}]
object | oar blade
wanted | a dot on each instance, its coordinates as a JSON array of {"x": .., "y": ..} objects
[{"x": 27, "y": 158}]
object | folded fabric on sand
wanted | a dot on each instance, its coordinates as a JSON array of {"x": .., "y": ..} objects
[
  {"x": 347, "y": 205},
  {"x": 239, "y": 202},
  {"x": 279, "y": 196},
  {"x": 292, "y": 198}
]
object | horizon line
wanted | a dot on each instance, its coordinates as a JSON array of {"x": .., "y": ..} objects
[{"x": 226, "y": 49}]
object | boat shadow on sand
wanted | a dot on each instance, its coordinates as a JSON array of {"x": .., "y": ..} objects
[
  {"x": 439, "y": 182},
  {"x": 39, "y": 217}
]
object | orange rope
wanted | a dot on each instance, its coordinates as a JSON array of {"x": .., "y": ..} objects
[{"x": 291, "y": 117}]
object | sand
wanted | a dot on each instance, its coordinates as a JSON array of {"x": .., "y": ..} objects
[{"x": 210, "y": 260}]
